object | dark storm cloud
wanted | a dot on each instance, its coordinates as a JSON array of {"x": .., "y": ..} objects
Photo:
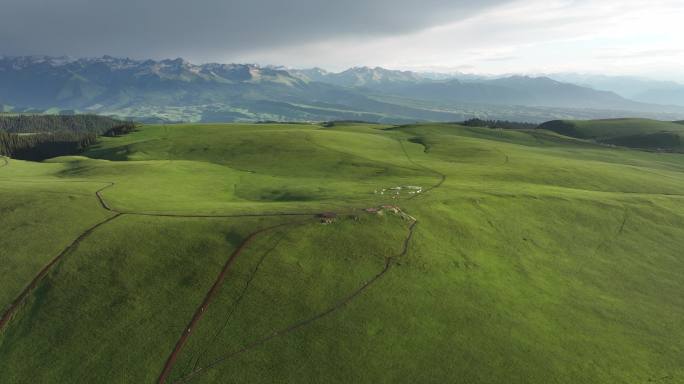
[{"x": 209, "y": 28}]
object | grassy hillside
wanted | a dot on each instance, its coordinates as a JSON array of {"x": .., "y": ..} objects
[
  {"x": 534, "y": 258},
  {"x": 633, "y": 133}
]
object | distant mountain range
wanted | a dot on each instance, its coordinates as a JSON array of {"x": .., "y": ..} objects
[
  {"x": 176, "y": 90},
  {"x": 359, "y": 76},
  {"x": 635, "y": 88}
]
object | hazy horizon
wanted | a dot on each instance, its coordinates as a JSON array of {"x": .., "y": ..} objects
[{"x": 422, "y": 71}]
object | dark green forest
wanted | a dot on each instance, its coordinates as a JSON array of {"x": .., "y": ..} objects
[{"x": 39, "y": 137}]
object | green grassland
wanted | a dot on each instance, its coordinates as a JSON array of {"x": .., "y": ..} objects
[
  {"x": 536, "y": 258},
  {"x": 39, "y": 218}
]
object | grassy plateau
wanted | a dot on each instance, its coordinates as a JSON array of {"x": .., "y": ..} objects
[{"x": 193, "y": 253}]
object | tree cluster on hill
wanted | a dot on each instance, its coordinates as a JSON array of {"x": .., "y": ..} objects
[
  {"x": 58, "y": 123},
  {"x": 39, "y": 137},
  {"x": 498, "y": 124},
  {"x": 332, "y": 123},
  {"x": 121, "y": 129},
  {"x": 564, "y": 128},
  {"x": 40, "y": 146}
]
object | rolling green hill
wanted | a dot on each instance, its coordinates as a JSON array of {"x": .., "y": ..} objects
[
  {"x": 193, "y": 253},
  {"x": 633, "y": 133}
]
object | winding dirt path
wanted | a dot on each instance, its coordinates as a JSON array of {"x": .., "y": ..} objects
[
  {"x": 105, "y": 205},
  {"x": 440, "y": 174},
  {"x": 16, "y": 303},
  {"x": 102, "y": 201},
  {"x": 389, "y": 261},
  {"x": 305, "y": 322},
  {"x": 44, "y": 271},
  {"x": 236, "y": 302},
  {"x": 199, "y": 312}
]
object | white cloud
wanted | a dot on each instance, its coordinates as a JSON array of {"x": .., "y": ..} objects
[
  {"x": 533, "y": 36},
  {"x": 493, "y": 36}
]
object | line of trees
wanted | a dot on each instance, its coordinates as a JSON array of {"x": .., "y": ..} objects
[
  {"x": 39, "y": 137},
  {"x": 498, "y": 124},
  {"x": 57, "y": 123}
]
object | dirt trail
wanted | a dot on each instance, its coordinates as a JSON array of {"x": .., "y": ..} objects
[
  {"x": 334, "y": 308},
  {"x": 199, "y": 313},
  {"x": 226, "y": 216},
  {"x": 7, "y": 315},
  {"x": 435, "y": 186},
  {"x": 44, "y": 271},
  {"x": 236, "y": 302},
  {"x": 106, "y": 206},
  {"x": 102, "y": 201},
  {"x": 305, "y": 322},
  {"x": 219, "y": 280}
]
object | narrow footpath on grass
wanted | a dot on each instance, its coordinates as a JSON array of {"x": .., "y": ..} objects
[
  {"x": 44, "y": 271},
  {"x": 23, "y": 295},
  {"x": 389, "y": 262},
  {"x": 199, "y": 312},
  {"x": 187, "y": 331},
  {"x": 442, "y": 177},
  {"x": 16, "y": 303}
]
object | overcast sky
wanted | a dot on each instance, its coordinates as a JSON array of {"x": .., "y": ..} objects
[{"x": 639, "y": 37}]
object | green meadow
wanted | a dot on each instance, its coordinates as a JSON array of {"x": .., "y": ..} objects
[{"x": 534, "y": 257}]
